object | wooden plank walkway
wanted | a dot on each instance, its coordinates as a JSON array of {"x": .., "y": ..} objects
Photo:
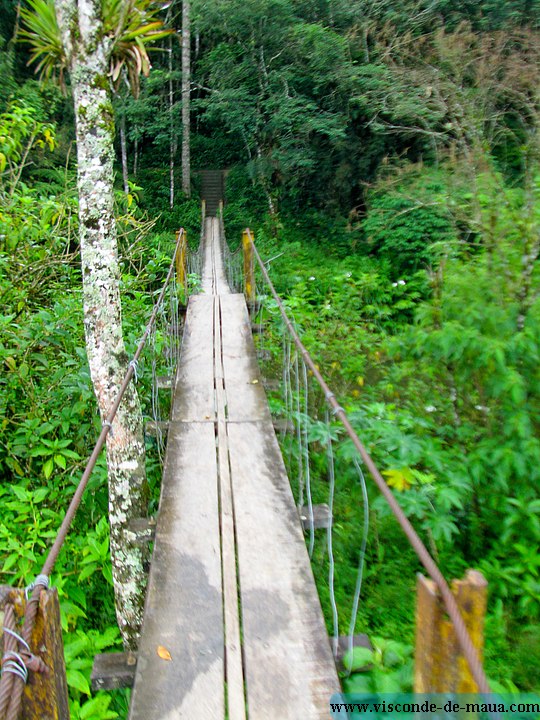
[{"x": 231, "y": 594}]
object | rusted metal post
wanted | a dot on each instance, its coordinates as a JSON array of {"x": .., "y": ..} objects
[
  {"x": 45, "y": 694},
  {"x": 249, "y": 270},
  {"x": 181, "y": 264},
  {"x": 439, "y": 664}
]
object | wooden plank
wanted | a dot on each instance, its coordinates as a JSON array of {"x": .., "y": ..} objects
[
  {"x": 154, "y": 428},
  {"x": 233, "y": 649},
  {"x": 289, "y": 668},
  {"x": 439, "y": 663},
  {"x": 143, "y": 530},
  {"x": 246, "y": 399},
  {"x": 111, "y": 671},
  {"x": 207, "y": 275},
  {"x": 164, "y": 382},
  {"x": 214, "y": 279},
  {"x": 183, "y": 611},
  {"x": 194, "y": 392},
  {"x": 221, "y": 286},
  {"x": 320, "y": 513}
]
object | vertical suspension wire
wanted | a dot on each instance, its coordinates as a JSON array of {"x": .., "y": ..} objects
[
  {"x": 306, "y": 459},
  {"x": 299, "y": 435},
  {"x": 286, "y": 384},
  {"x": 156, "y": 413},
  {"x": 262, "y": 350},
  {"x": 361, "y": 561},
  {"x": 329, "y": 534},
  {"x": 288, "y": 401}
]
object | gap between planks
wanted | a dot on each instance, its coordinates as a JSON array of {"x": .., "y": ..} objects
[{"x": 234, "y": 671}]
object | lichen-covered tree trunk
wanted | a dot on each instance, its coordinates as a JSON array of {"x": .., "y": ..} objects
[
  {"x": 88, "y": 54},
  {"x": 186, "y": 97}
]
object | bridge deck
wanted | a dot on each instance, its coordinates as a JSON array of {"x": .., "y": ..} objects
[{"x": 231, "y": 596}]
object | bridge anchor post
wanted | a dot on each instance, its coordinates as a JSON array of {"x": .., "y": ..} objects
[
  {"x": 249, "y": 268},
  {"x": 181, "y": 265},
  {"x": 439, "y": 663}
]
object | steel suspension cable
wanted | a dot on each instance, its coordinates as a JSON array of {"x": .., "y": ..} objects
[{"x": 469, "y": 651}]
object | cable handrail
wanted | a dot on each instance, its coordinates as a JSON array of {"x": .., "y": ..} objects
[
  {"x": 469, "y": 651},
  {"x": 11, "y": 685}
]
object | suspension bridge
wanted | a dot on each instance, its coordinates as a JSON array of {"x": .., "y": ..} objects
[
  {"x": 231, "y": 594},
  {"x": 233, "y": 626}
]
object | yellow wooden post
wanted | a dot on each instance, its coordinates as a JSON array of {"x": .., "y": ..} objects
[
  {"x": 45, "y": 694},
  {"x": 181, "y": 265},
  {"x": 249, "y": 271},
  {"x": 439, "y": 664}
]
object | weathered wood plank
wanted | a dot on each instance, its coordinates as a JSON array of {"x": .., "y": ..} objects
[
  {"x": 289, "y": 668},
  {"x": 143, "y": 530},
  {"x": 221, "y": 286},
  {"x": 320, "y": 516},
  {"x": 111, "y": 671},
  {"x": 183, "y": 612},
  {"x": 157, "y": 428},
  {"x": 233, "y": 649},
  {"x": 207, "y": 275},
  {"x": 246, "y": 399},
  {"x": 194, "y": 393},
  {"x": 164, "y": 382},
  {"x": 214, "y": 279}
]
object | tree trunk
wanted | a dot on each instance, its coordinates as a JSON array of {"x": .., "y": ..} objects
[
  {"x": 123, "y": 150},
  {"x": 107, "y": 357},
  {"x": 172, "y": 143},
  {"x": 135, "y": 156},
  {"x": 186, "y": 90}
]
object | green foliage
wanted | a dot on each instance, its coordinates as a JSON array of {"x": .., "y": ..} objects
[
  {"x": 47, "y": 408},
  {"x": 388, "y": 668},
  {"x": 438, "y": 372},
  {"x": 409, "y": 233},
  {"x": 398, "y": 143}
]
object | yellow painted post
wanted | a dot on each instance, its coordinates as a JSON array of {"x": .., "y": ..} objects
[
  {"x": 439, "y": 664},
  {"x": 45, "y": 694},
  {"x": 249, "y": 270},
  {"x": 181, "y": 265}
]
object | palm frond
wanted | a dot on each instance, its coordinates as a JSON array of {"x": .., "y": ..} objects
[
  {"x": 41, "y": 32},
  {"x": 131, "y": 24}
]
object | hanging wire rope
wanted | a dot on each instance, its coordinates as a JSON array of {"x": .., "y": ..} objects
[
  {"x": 362, "y": 557},
  {"x": 299, "y": 434},
  {"x": 469, "y": 651},
  {"x": 329, "y": 536},
  {"x": 307, "y": 469},
  {"x": 12, "y": 683}
]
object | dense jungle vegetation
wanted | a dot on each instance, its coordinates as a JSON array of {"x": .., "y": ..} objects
[{"x": 387, "y": 156}]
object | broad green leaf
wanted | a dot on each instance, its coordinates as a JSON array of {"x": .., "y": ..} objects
[{"x": 77, "y": 680}]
